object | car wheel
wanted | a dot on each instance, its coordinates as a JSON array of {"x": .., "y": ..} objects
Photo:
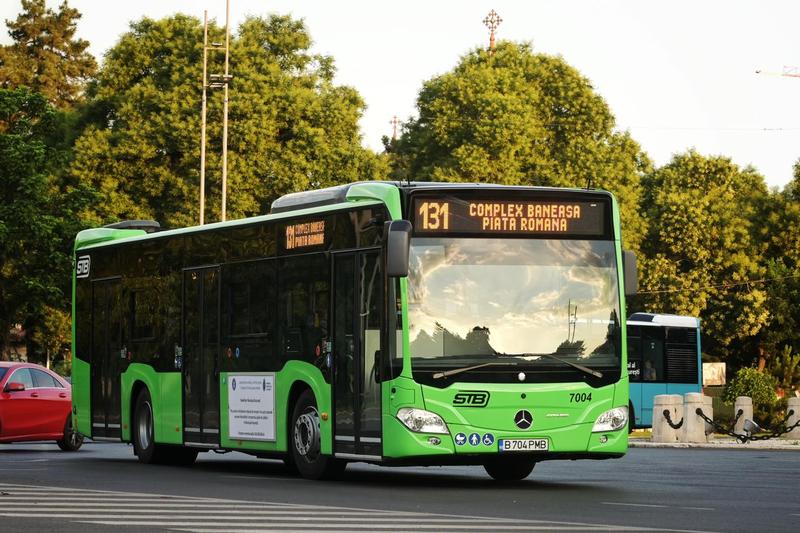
[
  {"x": 306, "y": 442},
  {"x": 510, "y": 468},
  {"x": 72, "y": 440}
]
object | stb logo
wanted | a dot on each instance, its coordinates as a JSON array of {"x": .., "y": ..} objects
[
  {"x": 82, "y": 266},
  {"x": 471, "y": 398}
]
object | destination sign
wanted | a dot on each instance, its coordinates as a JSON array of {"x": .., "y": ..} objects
[
  {"x": 539, "y": 216},
  {"x": 305, "y": 234}
]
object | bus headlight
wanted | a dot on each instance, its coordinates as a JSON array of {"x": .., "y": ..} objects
[
  {"x": 611, "y": 420},
  {"x": 422, "y": 421}
]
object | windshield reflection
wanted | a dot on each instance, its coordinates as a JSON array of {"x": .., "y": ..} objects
[{"x": 477, "y": 300}]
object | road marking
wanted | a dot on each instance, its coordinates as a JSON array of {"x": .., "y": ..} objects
[
  {"x": 216, "y": 515},
  {"x": 636, "y": 504},
  {"x": 659, "y": 506}
]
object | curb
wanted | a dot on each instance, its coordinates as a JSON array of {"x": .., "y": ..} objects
[{"x": 720, "y": 444}]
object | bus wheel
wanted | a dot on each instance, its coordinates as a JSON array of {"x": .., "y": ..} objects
[
  {"x": 510, "y": 468},
  {"x": 72, "y": 440},
  {"x": 144, "y": 444},
  {"x": 306, "y": 442},
  {"x": 630, "y": 418}
]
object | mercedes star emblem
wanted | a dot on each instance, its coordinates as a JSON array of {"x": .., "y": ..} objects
[{"x": 523, "y": 419}]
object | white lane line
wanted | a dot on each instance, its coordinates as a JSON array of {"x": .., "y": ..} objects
[
  {"x": 204, "y": 511},
  {"x": 353, "y": 526},
  {"x": 659, "y": 506},
  {"x": 636, "y": 504},
  {"x": 170, "y": 505},
  {"x": 269, "y": 530},
  {"x": 190, "y": 517}
]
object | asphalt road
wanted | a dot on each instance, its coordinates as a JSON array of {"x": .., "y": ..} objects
[{"x": 103, "y": 488}]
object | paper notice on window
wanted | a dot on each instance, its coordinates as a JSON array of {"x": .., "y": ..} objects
[{"x": 251, "y": 407}]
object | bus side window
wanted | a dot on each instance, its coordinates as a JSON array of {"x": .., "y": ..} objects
[
  {"x": 304, "y": 301},
  {"x": 634, "y": 354},
  {"x": 653, "y": 355}
]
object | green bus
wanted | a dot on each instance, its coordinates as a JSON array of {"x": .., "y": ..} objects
[{"x": 383, "y": 322}]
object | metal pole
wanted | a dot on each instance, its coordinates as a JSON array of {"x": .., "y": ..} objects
[
  {"x": 225, "y": 113},
  {"x": 203, "y": 122}
]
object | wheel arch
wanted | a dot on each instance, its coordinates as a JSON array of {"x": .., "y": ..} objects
[
  {"x": 166, "y": 395},
  {"x": 302, "y": 376}
]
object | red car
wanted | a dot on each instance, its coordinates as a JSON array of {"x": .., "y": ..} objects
[{"x": 35, "y": 404}]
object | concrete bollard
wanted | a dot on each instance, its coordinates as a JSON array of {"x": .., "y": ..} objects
[
  {"x": 745, "y": 403},
  {"x": 662, "y": 431},
  {"x": 694, "y": 427},
  {"x": 708, "y": 409},
  {"x": 794, "y": 405}
]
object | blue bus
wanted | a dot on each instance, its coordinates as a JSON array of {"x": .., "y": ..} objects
[{"x": 663, "y": 358}]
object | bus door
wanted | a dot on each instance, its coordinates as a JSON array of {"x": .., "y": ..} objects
[
  {"x": 653, "y": 370},
  {"x": 108, "y": 354},
  {"x": 635, "y": 373},
  {"x": 357, "y": 318},
  {"x": 200, "y": 366}
]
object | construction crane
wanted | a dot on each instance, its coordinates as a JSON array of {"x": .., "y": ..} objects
[{"x": 788, "y": 72}]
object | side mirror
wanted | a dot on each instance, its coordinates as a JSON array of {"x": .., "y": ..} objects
[
  {"x": 398, "y": 240},
  {"x": 630, "y": 273},
  {"x": 15, "y": 387}
]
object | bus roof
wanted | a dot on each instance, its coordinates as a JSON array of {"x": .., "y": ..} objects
[
  {"x": 288, "y": 204},
  {"x": 653, "y": 319}
]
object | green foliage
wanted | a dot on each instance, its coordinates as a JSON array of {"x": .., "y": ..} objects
[
  {"x": 750, "y": 382},
  {"x": 700, "y": 245},
  {"x": 515, "y": 117},
  {"x": 290, "y": 127},
  {"x": 45, "y": 56},
  {"x": 53, "y": 336},
  {"x": 785, "y": 369},
  {"x": 38, "y": 218}
]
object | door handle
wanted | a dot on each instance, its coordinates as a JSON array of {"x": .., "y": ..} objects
[
  {"x": 62, "y": 394},
  {"x": 34, "y": 395}
]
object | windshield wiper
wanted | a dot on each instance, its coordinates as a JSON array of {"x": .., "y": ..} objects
[
  {"x": 584, "y": 369},
  {"x": 454, "y": 371}
]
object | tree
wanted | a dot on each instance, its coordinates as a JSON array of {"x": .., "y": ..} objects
[
  {"x": 53, "y": 336},
  {"x": 779, "y": 216},
  {"x": 516, "y": 117},
  {"x": 38, "y": 218},
  {"x": 702, "y": 248},
  {"x": 290, "y": 128},
  {"x": 45, "y": 55}
]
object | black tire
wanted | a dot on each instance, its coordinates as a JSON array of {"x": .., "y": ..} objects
[
  {"x": 510, "y": 468},
  {"x": 143, "y": 433},
  {"x": 305, "y": 442},
  {"x": 72, "y": 440},
  {"x": 630, "y": 418}
]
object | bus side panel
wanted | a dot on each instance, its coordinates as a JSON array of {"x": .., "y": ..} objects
[
  {"x": 293, "y": 372},
  {"x": 165, "y": 392},
  {"x": 81, "y": 402}
]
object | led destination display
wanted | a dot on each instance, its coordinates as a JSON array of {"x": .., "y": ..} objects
[{"x": 540, "y": 216}]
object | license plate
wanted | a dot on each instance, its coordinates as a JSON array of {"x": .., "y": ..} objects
[{"x": 524, "y": 445}]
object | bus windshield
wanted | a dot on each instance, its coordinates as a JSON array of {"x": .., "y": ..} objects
[{"x": 477, "y": 300}]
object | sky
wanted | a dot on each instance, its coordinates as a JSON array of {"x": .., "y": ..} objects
[{"x": 677, "y": 75}]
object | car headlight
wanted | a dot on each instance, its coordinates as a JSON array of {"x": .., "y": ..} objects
[
  {"x": 611, "y": 420},
  {"x": 422, "y": 421}
]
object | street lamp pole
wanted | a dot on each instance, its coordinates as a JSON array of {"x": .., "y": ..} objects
[
  {"x": 225, "y": 113},
  {"x": 203, "y": 122}
]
